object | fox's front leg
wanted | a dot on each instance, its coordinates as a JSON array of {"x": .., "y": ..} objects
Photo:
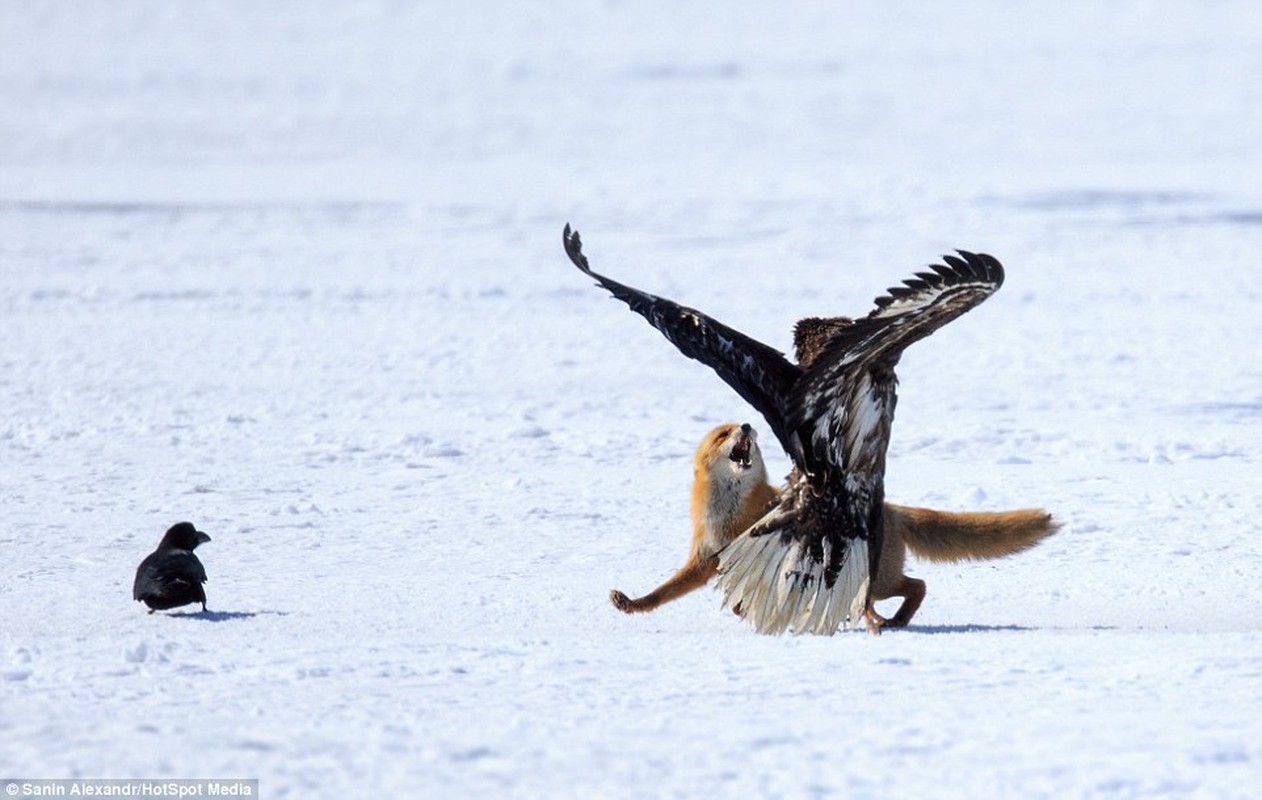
[{"x": 693, "y": 575}]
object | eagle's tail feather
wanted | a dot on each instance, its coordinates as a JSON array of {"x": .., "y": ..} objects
[{"x": 778, "y": 586}]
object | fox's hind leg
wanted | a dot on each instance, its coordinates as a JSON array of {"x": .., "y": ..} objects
[
  {"x": 693, "y": 575},
  {"x": 912, "y": 590}
]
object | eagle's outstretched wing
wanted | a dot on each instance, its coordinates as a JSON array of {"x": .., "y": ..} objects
[
  {"x": 828, "y": 415},
  {"x": 759, "y": 373},
  {"x": 807, "y": 566}
]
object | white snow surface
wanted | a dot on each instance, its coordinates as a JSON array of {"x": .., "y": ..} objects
[{"x": 293, "y": 271}]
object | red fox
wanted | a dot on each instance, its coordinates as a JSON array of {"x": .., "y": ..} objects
[{"x": 730, "y": 492}]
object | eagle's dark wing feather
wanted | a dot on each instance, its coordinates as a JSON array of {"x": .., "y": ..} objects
[
  {"x": 826, "y": 417},
  {"x": 759, "y": 373}
]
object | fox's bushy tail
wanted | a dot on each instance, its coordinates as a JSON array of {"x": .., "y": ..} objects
[{"x": 970, "y": 535}]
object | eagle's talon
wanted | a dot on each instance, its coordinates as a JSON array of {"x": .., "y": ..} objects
[{"x": 874, "y": 621}]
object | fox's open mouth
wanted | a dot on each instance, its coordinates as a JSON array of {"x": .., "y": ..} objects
[{"x": 740, "y": 451}]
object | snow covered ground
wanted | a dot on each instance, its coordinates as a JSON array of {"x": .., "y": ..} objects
[{"x": 293, "y": 271}]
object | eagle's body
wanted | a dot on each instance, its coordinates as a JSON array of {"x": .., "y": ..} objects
[{"x": 806, "y": 565}]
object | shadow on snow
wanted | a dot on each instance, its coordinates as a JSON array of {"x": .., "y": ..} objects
[
  {"x": 976, "y": 628},
  {"x": 966, "y": 628},
  {"x": 225, "y": 616}
]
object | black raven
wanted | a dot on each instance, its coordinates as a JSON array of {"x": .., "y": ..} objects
[{"x": 172, "y": 576}]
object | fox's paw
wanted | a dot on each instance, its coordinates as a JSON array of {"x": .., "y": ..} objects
[{"x": 621, "y": 601}]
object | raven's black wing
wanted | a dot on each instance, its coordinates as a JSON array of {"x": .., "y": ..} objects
[
  {"x": 164, "y": 570},
  {"x": 760, "y": 374}
]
